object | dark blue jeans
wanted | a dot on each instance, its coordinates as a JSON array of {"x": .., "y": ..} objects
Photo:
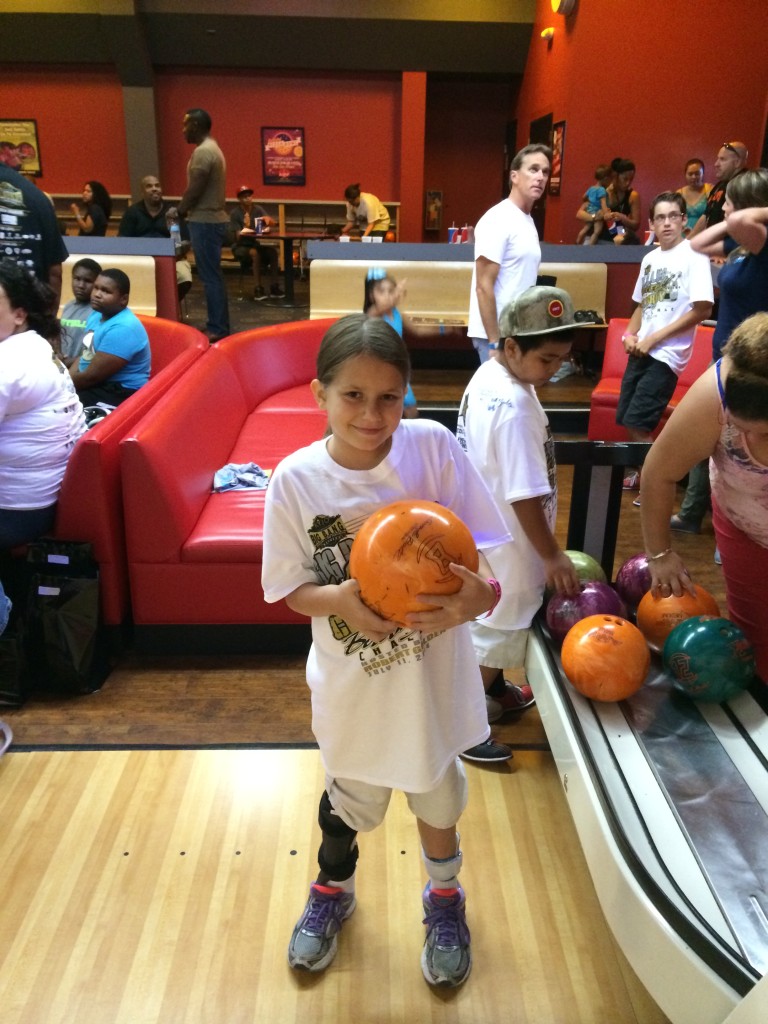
[
  {"x": 207, "y": 241},
  {"x": 18, "y": 526}
]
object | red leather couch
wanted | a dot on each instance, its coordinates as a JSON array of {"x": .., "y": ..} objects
[
  {"x": 90, "y": 506},
  {"x": 605, "y": 397},
  {"x": 194, "y": 556}
]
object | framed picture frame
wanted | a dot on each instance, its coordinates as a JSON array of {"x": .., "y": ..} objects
[
  {"x": 558, "y": 151},
  {"x": 283, "y": 156},
  {"x": 433, "y": 209},
  {"x": 21, "y": 135}
]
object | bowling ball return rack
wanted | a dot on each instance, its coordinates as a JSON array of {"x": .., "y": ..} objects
[{"x": 669, "y": 798}]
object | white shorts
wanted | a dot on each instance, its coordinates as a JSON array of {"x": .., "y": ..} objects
[
  {"x": 363, "y": 806},
  {"x": 499, "y": 648}
]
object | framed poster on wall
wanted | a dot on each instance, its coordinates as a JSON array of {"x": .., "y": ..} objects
[
  {"x": 20, "y": 137},
  {"x": 558, "y": 149},
  {"x": 283, "y": 156},
  {"x": 433, "y": 210}
]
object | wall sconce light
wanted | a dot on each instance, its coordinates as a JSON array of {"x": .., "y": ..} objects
[{"x": 548, "y": 34}]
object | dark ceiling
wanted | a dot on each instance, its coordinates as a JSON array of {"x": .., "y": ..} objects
[{"x": 139, "y": 43}]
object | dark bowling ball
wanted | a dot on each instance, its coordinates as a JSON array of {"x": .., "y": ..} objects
[
  {"x": 709, "y": 658},
  {"x": 633, "y": 580},
  {"x": 595, "y": 599}
]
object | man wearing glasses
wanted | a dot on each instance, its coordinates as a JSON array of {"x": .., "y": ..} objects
[
  {"x": 731, "y": 158},
  {"x": 674, "y": 293}
]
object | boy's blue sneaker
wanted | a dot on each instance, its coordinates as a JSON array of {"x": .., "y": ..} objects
[
  {"x": 315, "y": 937},
  {"x": 446, "y": 958}
]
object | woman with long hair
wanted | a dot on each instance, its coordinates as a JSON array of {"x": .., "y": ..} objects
[{"x": 93, "y": 216}]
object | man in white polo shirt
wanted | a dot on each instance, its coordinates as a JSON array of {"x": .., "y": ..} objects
[{"x": 507, "y": 250}]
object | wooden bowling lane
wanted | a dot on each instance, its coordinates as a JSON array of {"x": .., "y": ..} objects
[{"x": 148, "y": 886}]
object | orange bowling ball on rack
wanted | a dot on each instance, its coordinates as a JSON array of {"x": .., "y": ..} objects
[
  {"x": 658, "y": 616},
  {"x": 605, "y": 657},
  {"x": 404, "y": 550}
]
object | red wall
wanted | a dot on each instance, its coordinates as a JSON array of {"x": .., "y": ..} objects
[
  {"x": 645, "y": 82},
  {"x": 466, "y": 128},
  {"x": 351, "y": 124},
  {"x": 79, "y": 116}
]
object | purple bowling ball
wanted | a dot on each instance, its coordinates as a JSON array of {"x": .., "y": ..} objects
[
  {"x": 633, "y": 580},
  {"x": 596, "y": 598}
]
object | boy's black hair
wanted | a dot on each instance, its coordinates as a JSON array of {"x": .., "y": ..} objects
[
  {"x": 528, "y": 342},
  {"x": 120, "y": 278},
  {"x": 87, "y": 264}
]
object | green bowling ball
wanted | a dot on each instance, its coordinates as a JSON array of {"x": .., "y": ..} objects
[
  {"x": 587, "y": 567},
  {"x": 709, "y": 658}
]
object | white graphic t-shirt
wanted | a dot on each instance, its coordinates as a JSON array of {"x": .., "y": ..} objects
[
  {"x": 667, "y": 286},
  {"x": 506, "y": 434},
  {"x": 395, "y": 712}
]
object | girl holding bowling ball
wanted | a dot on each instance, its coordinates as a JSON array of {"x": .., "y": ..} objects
[
  {"x": 722, "y": 418},
  {"x": 392, "y": 706}
]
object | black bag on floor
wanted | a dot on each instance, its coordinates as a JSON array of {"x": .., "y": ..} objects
[
  {"x": 13, "y": 690},
  {"x": 64, "y": 644}
]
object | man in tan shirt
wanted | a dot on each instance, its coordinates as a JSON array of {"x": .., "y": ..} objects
[{"x": 204, "y": 206}]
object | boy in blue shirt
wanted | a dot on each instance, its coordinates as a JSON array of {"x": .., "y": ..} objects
[{"x": 116, "y": 359}]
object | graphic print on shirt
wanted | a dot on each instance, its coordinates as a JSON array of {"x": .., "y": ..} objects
[
  {"x": 659, "y": 285},
  {"x": 16, "y": 237},
  {"x": 331, "y": 540},
  {"x": 549, "y": 501}
]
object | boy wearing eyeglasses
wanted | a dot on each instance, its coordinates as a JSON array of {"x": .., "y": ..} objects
[{"x": 674, "y": 293}]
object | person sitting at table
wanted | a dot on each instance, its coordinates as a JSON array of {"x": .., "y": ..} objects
[
  {"x": 116, "y": 359},
  {"x": 366, "y": 213},
  {"x": 248, "y": 221}
]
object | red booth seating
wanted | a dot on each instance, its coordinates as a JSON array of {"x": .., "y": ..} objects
[
  {"x": 194, "y": 556},
  {"x": 90, "y": 506},
  {"x": 605, "y": 397}
]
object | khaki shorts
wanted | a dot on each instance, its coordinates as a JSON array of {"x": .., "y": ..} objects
[
  {"x": 363, "y": 806},
  {"x": 499, "y": 648}
]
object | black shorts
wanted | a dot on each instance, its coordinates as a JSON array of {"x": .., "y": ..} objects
[{"x": 646, "y": 388}]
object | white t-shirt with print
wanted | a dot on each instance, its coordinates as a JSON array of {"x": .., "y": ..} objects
[
  {"x": 397, "y": 712},
  {"x": 41, "y": 418},
  {"x": 667, "y": 286},
  {"x": 506, "y": 434},
  {"x": 507, "y": 236}
]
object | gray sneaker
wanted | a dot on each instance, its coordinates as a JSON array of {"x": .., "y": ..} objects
[
  {"x": 315, "y": 937},
  {"x": 446, "y": 958}
]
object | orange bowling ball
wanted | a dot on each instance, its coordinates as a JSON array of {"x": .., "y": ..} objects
[
  {"x": 658, "y": 616},
  {"x": 605, "y": 658},
  {"x": 404, "y": 550}
]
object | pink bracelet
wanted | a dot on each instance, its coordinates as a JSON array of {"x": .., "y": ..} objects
[{"x": 497, "y": 597}]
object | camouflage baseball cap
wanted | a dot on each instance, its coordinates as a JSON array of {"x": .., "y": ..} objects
[{"x": 538, "y": 310}]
